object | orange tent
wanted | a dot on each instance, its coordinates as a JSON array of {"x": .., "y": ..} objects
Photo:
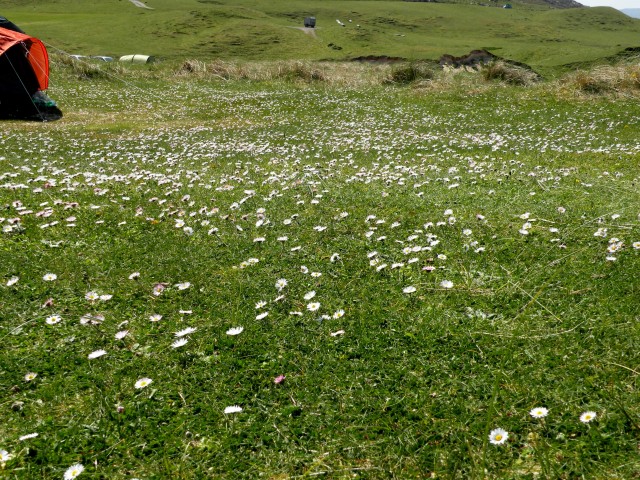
[{"x": 34, "y": 51}]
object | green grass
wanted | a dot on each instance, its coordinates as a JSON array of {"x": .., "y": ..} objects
[
  {"x": 544, "y": 38},
  {"x": 418, "y": 380}
]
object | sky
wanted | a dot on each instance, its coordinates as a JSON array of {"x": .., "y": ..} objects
[{"x": 619, "y": 4}]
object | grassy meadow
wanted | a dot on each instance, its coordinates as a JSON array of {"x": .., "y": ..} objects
[
  {"x": 544, "y": 38},
  {"x": 298, "y": 278}
]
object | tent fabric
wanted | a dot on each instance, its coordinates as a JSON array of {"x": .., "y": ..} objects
[
  {"x": 9, "y": 25},
  {"x": 32, "y": 48}
]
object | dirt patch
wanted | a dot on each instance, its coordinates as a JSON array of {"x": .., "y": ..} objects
[
  {"x": 138, "y": 3},
  {"x": 378, "y": 59},
  {"x": 308, "y": 31}
]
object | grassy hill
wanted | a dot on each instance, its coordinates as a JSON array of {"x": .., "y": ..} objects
[{"x": 241, "y": 29}]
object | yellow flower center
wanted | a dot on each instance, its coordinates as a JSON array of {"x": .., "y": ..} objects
[{"x": 498, "y": 437}]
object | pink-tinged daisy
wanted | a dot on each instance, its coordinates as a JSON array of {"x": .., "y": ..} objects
[{"x": 279, "y": 379}]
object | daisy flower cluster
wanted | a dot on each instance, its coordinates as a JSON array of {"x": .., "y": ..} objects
[
  {"x": 499, "y": 436},
  {"x": 223, "y": 276}
]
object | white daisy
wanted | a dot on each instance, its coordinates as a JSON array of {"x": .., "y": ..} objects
[
  {"x": 143, "y": 382},
  {"x": 310, "y": 295},
  {"x": 73, "y": 471},
  {"x": 5, "y": 456},
  {"x": 155, "y": 317},
  {"x": 262, "y": 315},
  {"x": 53, "y": 319},
  {"x": 91, "y": 296},
  {"x": 12, "y": 281},
  {"x": 30, "y": 376},
  {"x": 185, "y": 331},
  {"x": 539, "y": 412},
  {"x": 409, "y": 289},
  {"x": 97, "y": 354},
  {"x": 49, "y": 277},
  {"x": 313, "y": 306},
  {"x": 179, "y": 343},
  {"x": 498, "y": 436},
  {"x": 235, "y": 331},
  {"x": 446, "y": 284},
  {"x": 586, "y": 417},
  {"x": 233, "y": 409},
  {"x": 121, "y": 334}
]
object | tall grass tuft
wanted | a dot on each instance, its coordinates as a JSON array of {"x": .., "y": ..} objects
[
  {"x": 509, "y": 73},
  {"x": 610, "y": 80},
  {"x": 86, "y": 69},
  {"x": 300, "y": 72},
  {"x": 410, "y": 73}
]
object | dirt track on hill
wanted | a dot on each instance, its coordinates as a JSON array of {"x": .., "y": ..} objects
[
  {"x": 138, "y": 3},
  {"x": 308, "y": 31}
]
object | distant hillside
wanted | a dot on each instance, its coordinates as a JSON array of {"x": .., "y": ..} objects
[
  {"x": 514, "y": 3},
  {"x": 632, "y": 12},
  {"x": 532, "y": 32}
]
